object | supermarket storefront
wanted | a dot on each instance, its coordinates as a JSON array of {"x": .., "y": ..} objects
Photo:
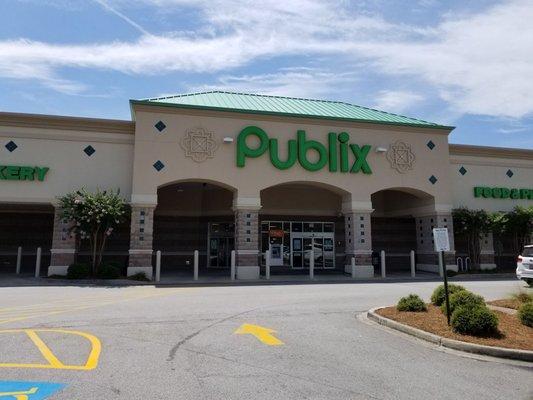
[{"x": 217, "y": 172}]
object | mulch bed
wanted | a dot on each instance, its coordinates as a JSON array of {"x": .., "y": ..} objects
[{"x": 512, "y": 334}]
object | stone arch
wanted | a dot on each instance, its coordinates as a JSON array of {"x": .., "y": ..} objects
[
  {"x": 189, "y": 213},
  {"x": 303, "y": 198},
  {"x": 394, "y": 224}
]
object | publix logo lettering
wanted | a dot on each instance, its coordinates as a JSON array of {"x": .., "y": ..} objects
[{"x": 337, "y": 154}]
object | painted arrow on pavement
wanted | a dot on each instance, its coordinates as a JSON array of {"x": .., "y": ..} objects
[{"x": 263, "y": 334}]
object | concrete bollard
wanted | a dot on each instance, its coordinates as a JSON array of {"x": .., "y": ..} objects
[
  {"x": 312, "y": 265},
  {"x": 232, "y": 267},
  {"x": 38, "y": 263},
  {"x": 158, "y": 266},
  {"x": 413, "y": 270},
  {"x": 383, "y": 274},
  {"x": 267, "y": 264},
  {"x": 19, "y": 259},
  {"x": 441, "y": 267},
  {"x": 353, "y": 267},
  {"x": 196, "y": 258}
]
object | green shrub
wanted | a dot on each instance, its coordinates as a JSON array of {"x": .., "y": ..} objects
[
  {"x": 108, "y": 271},
  {"x": 78, "y": 271},
  {"x": 438, "y": 296},
  {"x": 411, "y": 303},
  {"x": 139, "y": 276},
  {"x": 525, "y": 314},
  {"x": 477, "y": 321},
  {"x": 463, "y": 298}
]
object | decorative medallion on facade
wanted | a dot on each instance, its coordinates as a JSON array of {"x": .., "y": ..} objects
[
  {"x": 400, "y": 157},
  {"x": 199, "y": 144}
]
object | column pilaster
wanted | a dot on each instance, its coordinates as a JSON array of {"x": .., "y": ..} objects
[
  {"x": 141, "y": 239},
  {"x": 358, "y": 241},
  {"x": 63, "y": 251},
  {"x": 247, "y": 249},
  {"x": 427, "y": 257}
]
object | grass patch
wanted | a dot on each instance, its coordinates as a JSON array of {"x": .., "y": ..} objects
[
  {"x": 511, "y": 333},
  {"x": 515, "y": 301}
]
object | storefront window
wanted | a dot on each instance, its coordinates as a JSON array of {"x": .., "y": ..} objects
[{"x": 276, "y": 226}]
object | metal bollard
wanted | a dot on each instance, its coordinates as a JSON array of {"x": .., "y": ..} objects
[
  {"x": 312, "y": 265},
  {"x": 267, "y": 264},
  {"x": 413, "y": 270},
  {"x": 196, "y": 257},
  {"x": 232, "y": 270},
  {"x": 19, "y": 259},
  {"x": 353, "y": 267},
  {"x": 158, "y": 266},
  {"x": 38, "y": 263},
  {"x": 383, "y": 274}
]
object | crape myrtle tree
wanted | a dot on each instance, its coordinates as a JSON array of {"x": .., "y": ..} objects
[
  {"x": 516, "y": 224},
  {"x": 94, "y": 216},
  {"x": 471, "y": 225}
]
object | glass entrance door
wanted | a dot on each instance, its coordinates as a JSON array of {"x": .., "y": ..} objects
[
  {"x": 221, "y": 242},
  {"x": 220, "y": 252},
  {"x": 297, "y": 239},
  {"x": 322, "y": 250}
]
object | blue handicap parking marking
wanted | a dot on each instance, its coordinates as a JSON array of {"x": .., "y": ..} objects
[{"x": 13, "y": 390}]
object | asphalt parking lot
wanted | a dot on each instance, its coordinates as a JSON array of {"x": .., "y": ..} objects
[{"x": 235, "y": 342}]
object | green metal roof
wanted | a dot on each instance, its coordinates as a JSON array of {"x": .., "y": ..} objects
[{"x": 286, "y": 106}]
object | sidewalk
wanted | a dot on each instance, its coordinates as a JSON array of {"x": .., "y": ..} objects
[{"x": 13, "y": 280}]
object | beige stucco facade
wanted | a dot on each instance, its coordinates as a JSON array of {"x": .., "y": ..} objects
[{"x": 415, "y": 173}]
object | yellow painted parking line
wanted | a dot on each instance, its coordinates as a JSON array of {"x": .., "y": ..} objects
[
  {"x": 264, "y": 335},
  {"x": 44, "y": 349},
  {"x": 105, "y": 296},
  {"x": 83, "y": 306},
  {"x": 53, "y": 361}
]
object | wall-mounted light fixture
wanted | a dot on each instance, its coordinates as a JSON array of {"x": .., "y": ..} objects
[
  {"x": 228, "y": 139},
  {"x": 381, "y": 149}
]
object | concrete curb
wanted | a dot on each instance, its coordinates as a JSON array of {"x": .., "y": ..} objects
[{"x": 501, "y": 352}]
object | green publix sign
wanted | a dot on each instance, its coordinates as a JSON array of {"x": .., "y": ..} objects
[
  {"x": 22, "y": 173},
  {"x": 337, "y": 154},
  {"x": 502, "y": 193}
]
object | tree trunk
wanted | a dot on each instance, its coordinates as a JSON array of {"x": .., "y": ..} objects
[
  {"x": 95, "y": 247},
  {"x": 101, "y": 250}
]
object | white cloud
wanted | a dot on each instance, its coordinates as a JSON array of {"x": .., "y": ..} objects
[
  {"x": 291, "y": 82},
  {"x": 397, "y": 100},
  {"x": 478, "y": 63}
]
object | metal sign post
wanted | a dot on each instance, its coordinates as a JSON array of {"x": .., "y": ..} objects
[{"x": 442, "y": 244}]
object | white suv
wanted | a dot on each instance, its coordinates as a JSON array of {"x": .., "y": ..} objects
[{"x": 524, "y": 265}]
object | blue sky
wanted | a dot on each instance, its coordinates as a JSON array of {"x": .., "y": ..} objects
[{"x": 462, "y": 63}]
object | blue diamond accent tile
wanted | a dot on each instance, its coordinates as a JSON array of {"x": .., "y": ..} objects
[
  {"x": 433, "y": 179},
  {"x": 89, "y": 150},
  {"x": 462, "y": 170},
  {"x": 509, "y": 173},
  {"x": 11, "y": 146},
  {"x": 158, "y": 165},
  {"x": 160, "y": 126},
  {"x": 431, "y": 145}
]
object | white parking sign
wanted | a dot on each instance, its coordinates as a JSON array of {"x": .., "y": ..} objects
[{"x": 441, "y": 239}]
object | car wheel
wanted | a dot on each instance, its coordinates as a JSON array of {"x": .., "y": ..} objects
[{"x": 529, "y": 282}]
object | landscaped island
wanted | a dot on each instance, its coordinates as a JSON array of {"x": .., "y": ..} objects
[{"x": 472, "y": 320}]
